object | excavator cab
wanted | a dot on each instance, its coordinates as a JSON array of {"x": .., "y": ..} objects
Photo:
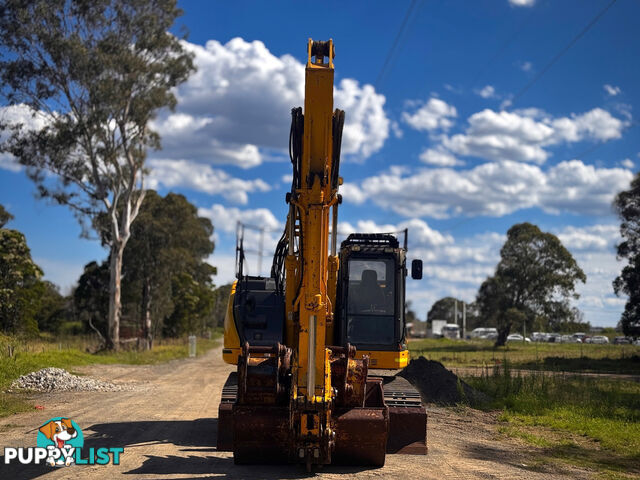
[{"x": 371, "y": 297}]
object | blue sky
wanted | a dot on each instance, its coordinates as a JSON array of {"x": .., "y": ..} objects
[{"x": 434, "y": 142}]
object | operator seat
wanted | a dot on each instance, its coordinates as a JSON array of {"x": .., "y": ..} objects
[{"x": 368, "y": 293}]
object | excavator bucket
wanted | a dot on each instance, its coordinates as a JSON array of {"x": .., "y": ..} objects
[{"x": 361, "y": 433}]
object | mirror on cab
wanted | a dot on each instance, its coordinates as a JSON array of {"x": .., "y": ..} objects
[{"x": 416, "y": 269}]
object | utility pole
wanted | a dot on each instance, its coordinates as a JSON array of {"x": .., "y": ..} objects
[
  {"x": 455, "y": 311},
  {"x": 464, "y": 320},
  {"x": 260, "y": 251}
]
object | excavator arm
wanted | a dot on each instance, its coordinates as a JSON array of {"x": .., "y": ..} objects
[{"x": 301, "y": 398}]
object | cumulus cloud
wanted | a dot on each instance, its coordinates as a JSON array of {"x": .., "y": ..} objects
[
  {"x": 496, "y": 189},
  {"x": 523, "y": 135},
  {"x": 262, "y": 228},
  {"x": 612, "y": 90},
  {"x": 226, "y": 218},
  {"x": 439, "y": 157},
  {"x": 628, "y": 163},
  {"x": 522, "y": 3},
  {"x": 487, "y": 92},
  {"x": 421, "y": 234},
  {"x": 593, "y": 237},
  {"x": 433, "y": 115},
  {"x": 23, "y": 117},
  {"x": 366, "y": 125},
  {"x": 238, "y": 104},
  {"x": 203, "y": 178},
  {"x": 352, "y": 193}
]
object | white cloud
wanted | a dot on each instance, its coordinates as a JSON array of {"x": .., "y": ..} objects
[
  {"x": 522, "y": 3},
  {"x": 226, "y": 267},
  {"x": 203, "y": 178},
  {"x": 522, "y": 135},
  {"x": 420, "y": 233},
  {"x": 439, "y": 157},
  {"x": 366, "y": 125},
  {"x": 225, "y": 220},
  {"x": 352, "y": 193},
  {"x": 594, "y": 237},
  {"x": 238, "y": 104},
  {"x": 628, "y": 163},
  {"x": 487, "y": 92},
  {"x": 525, "y": 66},
  {"x": 612, "y": 90},
  {"x": 435, "y": 114},
  {"x": 496, "y": 189},
  {"x": 28, "y": 120}
]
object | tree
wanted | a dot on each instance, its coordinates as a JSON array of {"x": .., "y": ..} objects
[
  {"x": 194, "y": 302},
  {"x": 627, "y": 205},
  {"x": 53, "y": 309},
  {"x": 221, "y": 302},
  {"x": 536, "y": 277},
  {"x": 94, "y": 73},
  {"x": 19, "y": 274},
  {"x": 5, "y": 217},
  {"x": 443, "y": 309},
  {"x": 168, "y": 238},
  {"x": 91, "y": 298}
]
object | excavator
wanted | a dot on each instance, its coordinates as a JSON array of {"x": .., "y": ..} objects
[{"x": 317, "y": 342}]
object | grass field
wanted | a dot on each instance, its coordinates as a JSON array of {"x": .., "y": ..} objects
[
  {"x": 34, "y": 354},
  {"x": 569, "y": 357},
  {"x": 574, "y": 419}
]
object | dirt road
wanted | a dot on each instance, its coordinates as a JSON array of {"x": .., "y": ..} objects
[{"x": 167, "y": 426}]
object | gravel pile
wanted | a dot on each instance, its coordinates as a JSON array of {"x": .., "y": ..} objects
[
  {"x": 59, "y": 380},
  {"x": 438, "y": 385}
]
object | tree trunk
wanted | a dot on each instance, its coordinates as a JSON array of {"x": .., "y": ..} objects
[
  {"x": 503, "y": 333},
  {"x": 115, "y": 271},
  {"x": 146, "y": 316}
]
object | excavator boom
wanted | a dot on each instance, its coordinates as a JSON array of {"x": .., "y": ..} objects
[{"x": 298, "y": 395}]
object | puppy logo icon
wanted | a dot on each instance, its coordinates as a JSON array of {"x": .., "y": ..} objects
[{"x": 61, "y": 437}]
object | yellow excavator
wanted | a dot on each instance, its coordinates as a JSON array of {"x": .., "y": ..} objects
[{"x": 317, "y": 342}]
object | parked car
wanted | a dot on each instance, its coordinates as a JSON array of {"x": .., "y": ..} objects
[
  {"x": 579, "y": 336},
  {"x": 622, "y": 341},
  {"x": 484, "y": 333},
  {"x": 516, "y": 337},
  {"x": 554, "y": 337},
  {"x": 539, "y": 337},
  {"x": 599, "y": 339}
]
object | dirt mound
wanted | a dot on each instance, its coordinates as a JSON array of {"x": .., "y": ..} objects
[{"x": 438, "y": 385}]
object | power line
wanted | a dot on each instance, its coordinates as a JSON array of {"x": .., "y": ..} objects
[
  {"x": 564, "y": 50},
  {"x": 395, "y": 43}
]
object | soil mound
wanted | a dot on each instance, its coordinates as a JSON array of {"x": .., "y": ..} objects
[{"x": 438, "y": 385}]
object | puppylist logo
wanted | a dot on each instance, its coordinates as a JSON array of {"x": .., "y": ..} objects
[{"x": 59, "y": 444}]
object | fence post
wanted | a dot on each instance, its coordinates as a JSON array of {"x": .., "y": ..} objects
[{"x": 192, "y": 346}]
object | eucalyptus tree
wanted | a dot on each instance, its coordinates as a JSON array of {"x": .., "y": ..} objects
[
  {"x": 91, "y": 75},
  {"x": 536, "y": 277},
  {"x": 627, "y": 205}
]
